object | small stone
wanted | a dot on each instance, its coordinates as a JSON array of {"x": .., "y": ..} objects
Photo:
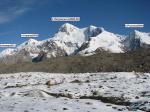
[
  {"x": 65, "y": 109},
  {"x": 137, "y": 97}
]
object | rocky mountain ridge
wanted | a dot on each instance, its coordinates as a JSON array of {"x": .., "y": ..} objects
[{"x": 71, "y": 40}]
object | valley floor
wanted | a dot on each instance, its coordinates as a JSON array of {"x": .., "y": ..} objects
[{"x": 88, "y": 92}]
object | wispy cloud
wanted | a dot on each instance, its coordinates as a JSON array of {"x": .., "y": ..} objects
[{"x": 11, "y": 9}]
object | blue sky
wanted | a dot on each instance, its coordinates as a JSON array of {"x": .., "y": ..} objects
[{"x": 33, "y": 16}]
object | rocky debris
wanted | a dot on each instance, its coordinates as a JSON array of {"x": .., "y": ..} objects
[{"x": 51, "y": 83}]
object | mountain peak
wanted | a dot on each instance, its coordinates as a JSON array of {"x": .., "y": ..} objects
[
  {"x": 67, "y": 27},
  {"x": 134, "y": 34},
  {"x": 30, "y": 42},
  {"x": 136, "y": 31},
  {"x": 138, "y": 34},
  {"x": 7, "y": 51},
  {"x": 92, "y": 27}
]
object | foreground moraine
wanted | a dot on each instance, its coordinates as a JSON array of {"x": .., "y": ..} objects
[{"x": 89, "y": 92}]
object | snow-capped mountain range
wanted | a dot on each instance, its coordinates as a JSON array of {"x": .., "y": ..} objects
[{"x": 71, "y": 40}]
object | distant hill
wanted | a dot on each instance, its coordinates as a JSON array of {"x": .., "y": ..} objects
[{"x": 138, "y": 60}]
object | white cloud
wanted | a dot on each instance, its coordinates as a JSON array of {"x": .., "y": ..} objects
[{"x": 11, "y": 9}]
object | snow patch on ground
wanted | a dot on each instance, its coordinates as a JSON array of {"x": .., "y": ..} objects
[{"x": 88, "y": 92}]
